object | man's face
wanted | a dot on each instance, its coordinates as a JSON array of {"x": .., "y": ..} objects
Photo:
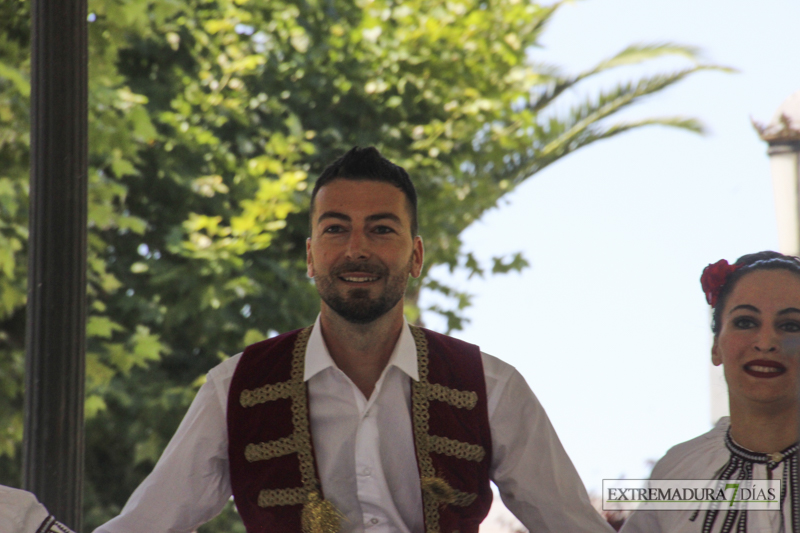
[{"x": 361, "y": 250}]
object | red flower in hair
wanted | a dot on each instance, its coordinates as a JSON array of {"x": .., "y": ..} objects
[{"x": 714, "y": 278}]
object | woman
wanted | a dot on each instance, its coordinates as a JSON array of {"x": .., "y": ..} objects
[{"x": 756, "y": 325}]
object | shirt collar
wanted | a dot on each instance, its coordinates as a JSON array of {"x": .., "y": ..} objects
[{"x": 404, "y": 355}]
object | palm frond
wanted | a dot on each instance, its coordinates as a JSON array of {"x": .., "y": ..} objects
[
  {"x": 556, "y": 136},
  {"x": 689, "y": 124},
  {"x": 542, "y": 19},
  {"x": 632, "y": 55},
  {"x": 639, "y": 53},
  {"x": 583, "y": 116},
  {"x": 541, "y": 97}
]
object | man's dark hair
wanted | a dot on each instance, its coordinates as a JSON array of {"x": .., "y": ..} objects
[
  {"x": 368, "y": 164},
  {"x": 767, "y": 260}
]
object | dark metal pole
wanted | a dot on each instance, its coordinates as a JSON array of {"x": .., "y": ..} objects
[{"x": 55, "y": 342}]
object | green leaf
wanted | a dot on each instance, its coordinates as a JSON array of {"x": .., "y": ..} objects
[
  {"x": 516, "y": 264},
  {"x": 101, "y": 326},
  {"x": 20, "y": 82}
]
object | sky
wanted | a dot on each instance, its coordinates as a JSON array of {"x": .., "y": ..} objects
[{"x": 609, "y": 325}]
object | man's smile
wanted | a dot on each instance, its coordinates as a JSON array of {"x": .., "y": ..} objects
[
  {"x": 359, "y": 278},
  {"x": 358, "y": 273}
]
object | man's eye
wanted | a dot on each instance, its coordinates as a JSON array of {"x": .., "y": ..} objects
[
  {"x": 383, "y": 230},
  {"x": 333, "y": 229},
  {"x": 744, "y": 323}
]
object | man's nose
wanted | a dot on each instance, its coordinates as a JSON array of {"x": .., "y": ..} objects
[{"x": 357, "y": 246}]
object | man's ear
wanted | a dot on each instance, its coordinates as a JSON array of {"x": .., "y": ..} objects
[
  {"x": 309, "y": 259},
  {"x": 716, "y": 356},
  {"x": 417, "y": 257}
]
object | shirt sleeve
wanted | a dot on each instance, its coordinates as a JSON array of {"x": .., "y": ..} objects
[
  {"x": 20, "y": 511},
  {"x": 190, "y": 484},
  {"x": 642, "y": 522},
  {"x": 536, "y": 478}
]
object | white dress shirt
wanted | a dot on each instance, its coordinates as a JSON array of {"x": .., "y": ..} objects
[
  {"x": 365, "y": 453},
  {"x": 703, "y": 458}
]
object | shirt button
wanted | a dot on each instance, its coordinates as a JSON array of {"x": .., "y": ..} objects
[{"x": 366, "y": 471}]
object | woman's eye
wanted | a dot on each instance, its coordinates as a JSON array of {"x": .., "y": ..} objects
[
  {"x": 790, "y": 327},
  {"x": 744, "y": 323}
]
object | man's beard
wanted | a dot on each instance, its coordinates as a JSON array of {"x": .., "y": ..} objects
[{"x": 356, "y": 306}]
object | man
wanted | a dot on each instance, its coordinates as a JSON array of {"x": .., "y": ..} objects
[{"x": 362, "y": 422}]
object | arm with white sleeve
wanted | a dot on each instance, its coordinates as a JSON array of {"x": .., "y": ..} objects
[
  {"x": 536, "y": 479},
  {"x": 190, "y": 484}
]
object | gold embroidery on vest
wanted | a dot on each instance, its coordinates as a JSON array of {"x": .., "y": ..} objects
[
  {"x": 455, "y": 448},
  {"x": 267, "y": 393},
  {"x": 456, "y": 398},
  {"x": 271, "y": 449},
  {"x": 464, "y": 499},
  {"x": 318, "y": 515},
  {"x": 441, "y": 490},
  {"x": 273, "y": 497},
  {"x": 435, "y": 490}
]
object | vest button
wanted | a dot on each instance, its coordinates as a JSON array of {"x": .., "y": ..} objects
[{"x": 374, "y": 521}]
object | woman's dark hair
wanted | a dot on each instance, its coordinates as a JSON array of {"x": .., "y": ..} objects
[{"x": 750, "y": 263}]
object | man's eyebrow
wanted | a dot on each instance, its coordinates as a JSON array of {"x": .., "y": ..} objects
[
  {"x": 383, "y": 216},
  {"x": 333, "y": 214},
  {"x": 789, "y": 310},
  {"x": 747, "y": 307}
]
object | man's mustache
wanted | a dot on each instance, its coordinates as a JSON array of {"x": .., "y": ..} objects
[{"x": 355, "y": 266}]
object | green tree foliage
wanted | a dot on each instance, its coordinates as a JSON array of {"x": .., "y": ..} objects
[{"x": 208, "y": 120}]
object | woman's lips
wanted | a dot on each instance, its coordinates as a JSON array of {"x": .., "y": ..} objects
[{"x": 762, "y": 368}]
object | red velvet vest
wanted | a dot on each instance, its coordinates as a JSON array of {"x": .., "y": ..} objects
[{"x": 272, "y": 465}]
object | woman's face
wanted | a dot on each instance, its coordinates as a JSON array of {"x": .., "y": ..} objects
[{"x": 759, "y": 342}]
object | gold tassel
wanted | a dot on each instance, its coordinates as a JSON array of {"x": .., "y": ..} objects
[
  {"x": 319, "y": 516},
  {"x": 438, "y": 489}
]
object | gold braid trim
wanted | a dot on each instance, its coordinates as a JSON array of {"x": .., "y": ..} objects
[
  {"x": 302, "y": 434},
  {"x": 435, "y": 490},
  {"x": 420, "y": 418},
  {"x": 271, "y": 449},
  {"x": 441, "y": 490},
  {"x": 463, "y": 499},
  {"x": 267, "y": 393},
  {"x": 273, "y": 497},
  {"x": 318, "y": 515},
  {"x": 456, "y": 398},
  {"x": 456, "y": 448}
]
